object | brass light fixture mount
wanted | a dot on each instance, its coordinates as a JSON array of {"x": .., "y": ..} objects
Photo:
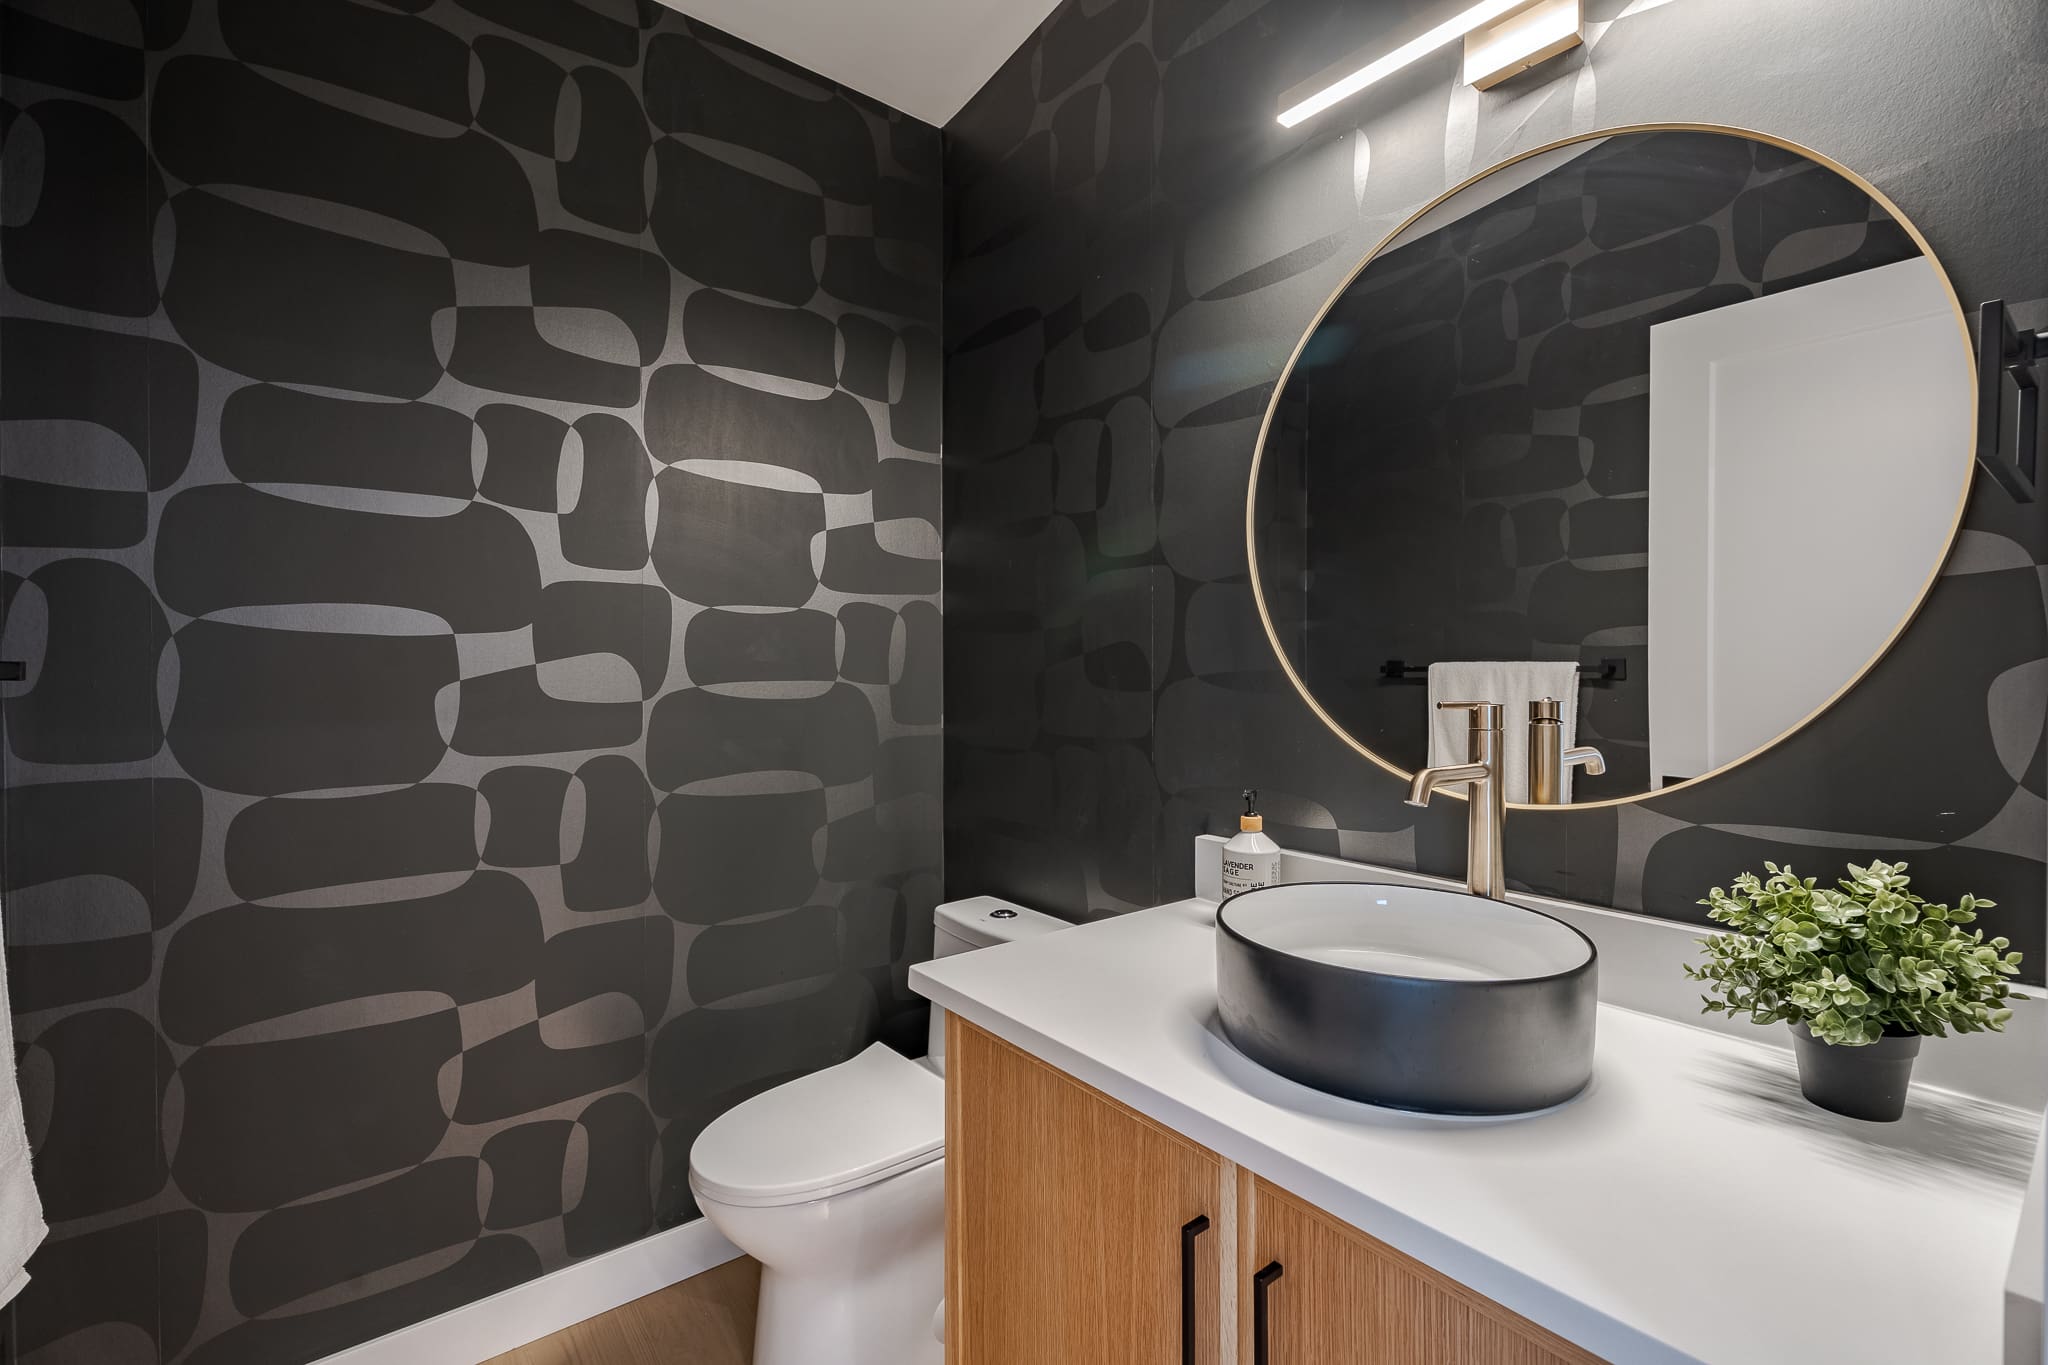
[{"x": 1522, "y": 38}]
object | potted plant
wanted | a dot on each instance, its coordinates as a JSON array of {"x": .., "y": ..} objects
[{"x": 1862, "y": 974}]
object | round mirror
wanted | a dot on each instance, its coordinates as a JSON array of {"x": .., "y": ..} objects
[{"x": 1671, "y": 426}]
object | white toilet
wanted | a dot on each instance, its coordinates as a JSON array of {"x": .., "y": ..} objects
[{"x": 835, "y": 1182}]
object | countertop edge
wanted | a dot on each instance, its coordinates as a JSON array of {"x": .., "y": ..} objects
[{"x": 1515, "y": 1290}]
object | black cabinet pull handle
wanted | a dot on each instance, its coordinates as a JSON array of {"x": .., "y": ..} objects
[
  {"x": 1189, "y": 1231},
  {"x": 1261, "y": 1282},
  {"x": 13, "y": 670}
]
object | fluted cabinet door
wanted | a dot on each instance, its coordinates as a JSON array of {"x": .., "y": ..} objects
[
  {"x": 1334, "y": 1296},
  {"x": 1067, "y": 1219}
]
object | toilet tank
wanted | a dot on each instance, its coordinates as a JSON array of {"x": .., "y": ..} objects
[{"x": 977, "y": 922}]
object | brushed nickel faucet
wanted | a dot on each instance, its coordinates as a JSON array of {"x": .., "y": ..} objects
[
  {"x": 1549, "y": 760},
  {"x": 1485, "y": 797}
]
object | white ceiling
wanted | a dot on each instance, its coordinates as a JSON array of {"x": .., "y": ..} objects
[{"x": 925, "y": 57}]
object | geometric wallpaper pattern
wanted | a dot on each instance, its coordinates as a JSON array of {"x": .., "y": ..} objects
[
  {"x": 470, "y": 506},
  {"x": 1490, "y": 382},
  {"x": 1135, "y": 248},
  {"x": 469, "y": 486}
]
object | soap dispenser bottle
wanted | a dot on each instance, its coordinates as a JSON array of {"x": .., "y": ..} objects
[{"x": 1250, "y": 860}]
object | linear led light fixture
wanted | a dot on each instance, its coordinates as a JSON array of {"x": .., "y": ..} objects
[{"x": 1502, "y": 37}]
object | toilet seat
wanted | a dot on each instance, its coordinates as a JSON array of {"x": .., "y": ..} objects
[{"x": 835, "y": 1130}]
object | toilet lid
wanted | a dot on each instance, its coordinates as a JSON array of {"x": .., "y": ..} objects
[{"x": 831, "y": 1131}]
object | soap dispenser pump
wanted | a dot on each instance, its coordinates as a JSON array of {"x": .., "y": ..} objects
[{"x": 1250, "y": 860}]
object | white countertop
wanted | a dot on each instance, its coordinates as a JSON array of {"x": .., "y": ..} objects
[{"x": 1689, "y": 1206}]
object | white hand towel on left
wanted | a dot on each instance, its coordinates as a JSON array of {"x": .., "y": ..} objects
[{"x": 21, "y": 1213}]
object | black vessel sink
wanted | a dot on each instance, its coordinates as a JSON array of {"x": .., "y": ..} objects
[{"x": 1415, "y": 999}]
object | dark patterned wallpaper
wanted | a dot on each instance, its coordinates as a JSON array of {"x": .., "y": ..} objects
[
  {"x": 1135, "y": 247},
  {"x": 1471, "y": 425},
  {"x": 470, "y": 495}
]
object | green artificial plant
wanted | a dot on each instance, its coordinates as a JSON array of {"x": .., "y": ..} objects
[{"x": 1853, "y": 964}]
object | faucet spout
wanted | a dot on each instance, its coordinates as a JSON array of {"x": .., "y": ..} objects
[
  {"x": 1587, "y": 757},
  {"x": 1430, "y": 780}
]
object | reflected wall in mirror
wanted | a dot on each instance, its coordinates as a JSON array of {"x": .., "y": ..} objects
[{"x": 1687, "y": 408}]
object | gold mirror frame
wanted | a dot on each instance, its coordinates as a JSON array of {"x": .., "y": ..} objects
[{"x": 1919, "y": 601}]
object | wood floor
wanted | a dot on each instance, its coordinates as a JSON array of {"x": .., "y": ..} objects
[{"x": 707, "y": 1320}]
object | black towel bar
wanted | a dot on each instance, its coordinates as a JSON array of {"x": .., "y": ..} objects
[{"x": 1606, "y": 671}]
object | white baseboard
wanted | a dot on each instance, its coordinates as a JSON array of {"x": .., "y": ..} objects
[{"x": 506, "y": 1321}]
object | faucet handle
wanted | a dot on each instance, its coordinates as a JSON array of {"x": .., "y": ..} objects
[{"x": 1485, "y": 714}]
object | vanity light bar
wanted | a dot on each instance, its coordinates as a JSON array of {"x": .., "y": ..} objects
[{"x": 1509, "y": 44}]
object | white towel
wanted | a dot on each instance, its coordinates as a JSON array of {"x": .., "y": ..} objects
[
  {"x": 1513, "y": 684},
  {"x": 21, "y": 1213}
]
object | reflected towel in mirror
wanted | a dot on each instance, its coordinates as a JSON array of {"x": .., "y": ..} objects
[{"x": 1514, "y": 684}]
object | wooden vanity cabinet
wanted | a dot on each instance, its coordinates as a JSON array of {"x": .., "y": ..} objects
[
  {"x": 1323, "y": 1293},
  {"x": 1075, "y": 1229},
  {"x": 1079, "y": 1232}
]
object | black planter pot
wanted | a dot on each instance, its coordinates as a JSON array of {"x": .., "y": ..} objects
[{"x": 1867, "y": 1082}]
